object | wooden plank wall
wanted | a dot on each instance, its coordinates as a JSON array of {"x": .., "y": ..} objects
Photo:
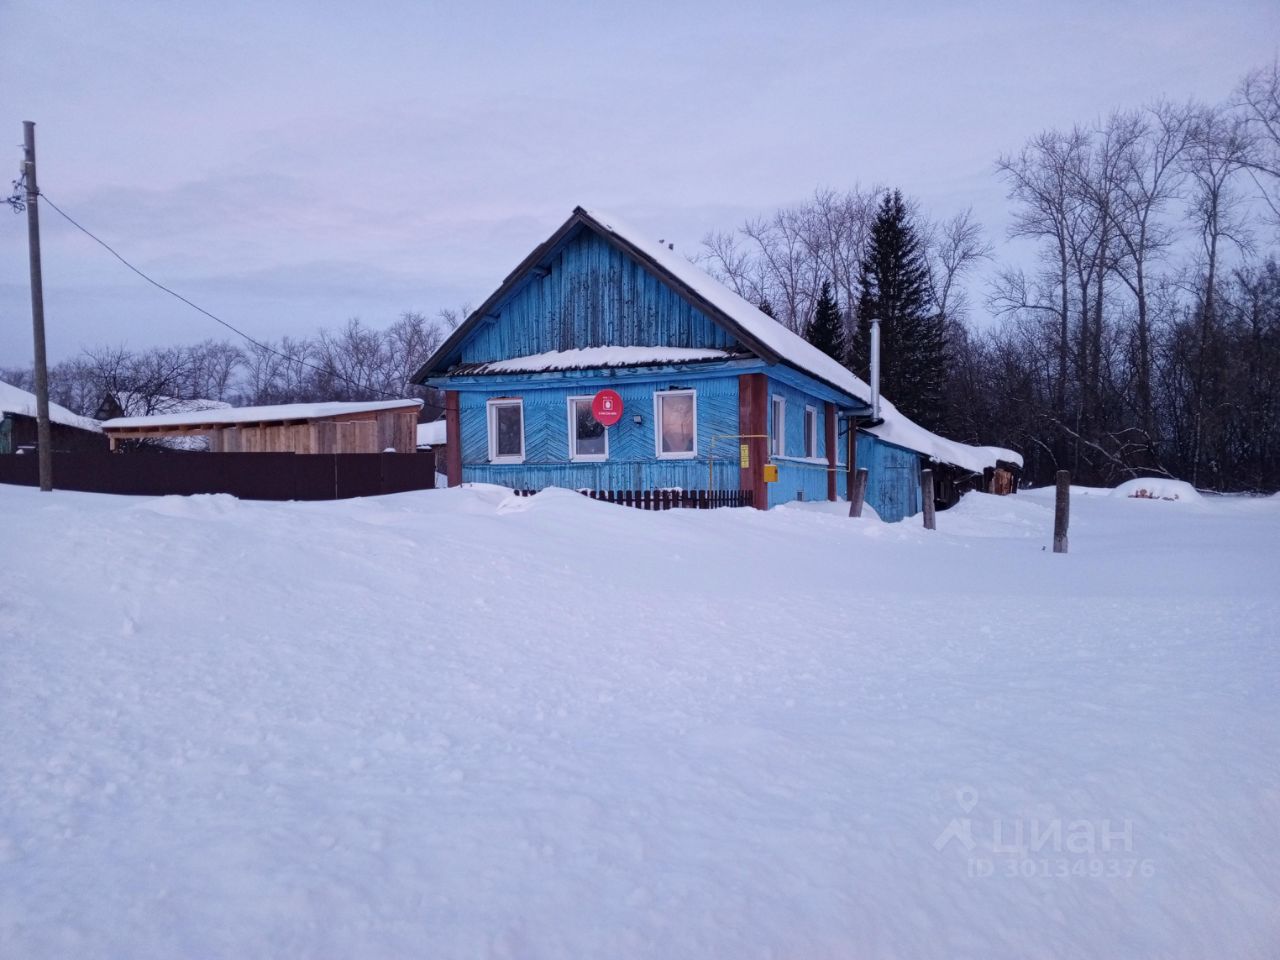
[
  {"x": 373, "y": 432},
  {"x": 893, "y": 481}
]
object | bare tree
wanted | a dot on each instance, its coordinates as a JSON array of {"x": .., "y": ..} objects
[
  {"x": 955, "y": 247},
  {"x": 1259, "y": 103},
  {"x": 450, "y": 317},
  {"x": 1219, "y": 150},
  {"x": 1148, "y": 176},
  {"x": 1041, "y": 182},
  {"x": 782, "y": 260}
]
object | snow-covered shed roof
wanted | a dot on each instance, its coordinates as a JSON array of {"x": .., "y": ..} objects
[
  {"x": 16, "y": 400},
  {"x": 267, "y": 414},
  {"x": 757, "y": 331}
]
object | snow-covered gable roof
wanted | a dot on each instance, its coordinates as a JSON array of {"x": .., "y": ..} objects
[
  {"x": 799, "y": 353},
  {"x": 234, "y": 415},
  {"x": 757, "y": 330},
  {"x": 16, "y": 400},
  {"x": 761, "y": 327}
]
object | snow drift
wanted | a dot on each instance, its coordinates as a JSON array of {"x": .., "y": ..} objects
[
  {"x": 464, "y": 724},
  {"x": 1157, "y": 488}
]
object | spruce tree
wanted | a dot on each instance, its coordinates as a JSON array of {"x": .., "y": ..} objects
[
  {"x": 826, "y": 329},
  {"x": 895, "y": 289}
]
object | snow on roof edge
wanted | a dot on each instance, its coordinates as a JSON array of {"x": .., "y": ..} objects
[
  {"x": 584, "y": 357},
  {"x": 897, "y": 428}
]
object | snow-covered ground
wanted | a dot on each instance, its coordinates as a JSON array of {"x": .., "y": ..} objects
[{"x": 461, "y": 724}]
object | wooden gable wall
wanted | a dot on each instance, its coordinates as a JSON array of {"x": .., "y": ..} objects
[{"x": 592, "y": 295}]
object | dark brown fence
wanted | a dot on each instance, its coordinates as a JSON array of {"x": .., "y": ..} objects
[
  {"x": 249, "y": 476},
  {"x": 666, "y": 499}
]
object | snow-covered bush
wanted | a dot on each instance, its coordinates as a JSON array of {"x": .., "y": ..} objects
[{"x": 1156, "y": 488}]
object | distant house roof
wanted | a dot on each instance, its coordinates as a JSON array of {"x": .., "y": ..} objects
[
  {"x": 433, "y": 434},
  {"x": 757, "y": 331},
  {"x": 270, "y": 414},
  {"x": 132, "y": 403},
  {"x": 16, "y": 400}
]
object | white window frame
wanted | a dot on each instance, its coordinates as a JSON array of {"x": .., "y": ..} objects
[
  {"x": 491, "y": 416},
  {"x": 573, "y": 434},
  {"x": 657, "y": 424},
  {"x": 810, "y": 431},
  {"x": 778, "y": 435}
]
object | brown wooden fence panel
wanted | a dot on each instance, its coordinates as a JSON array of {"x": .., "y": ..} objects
[
  {"x": 249, "y": 476},
  {"x": 353, "y": 476},
  {"x": 402, "y": 473}
]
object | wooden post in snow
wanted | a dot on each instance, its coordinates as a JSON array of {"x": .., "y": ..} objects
[
  {"x": 858, "y": 492},
  {"x": 926, "y": 492},
  {"x": 852, "y": 465},
  {"x": 1061, "y": 512}
]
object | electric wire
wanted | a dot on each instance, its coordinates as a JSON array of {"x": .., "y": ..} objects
[{"x": 195, "y": 306}]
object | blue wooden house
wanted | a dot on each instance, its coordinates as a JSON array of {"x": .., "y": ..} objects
[{"x": 713, "y": 392}]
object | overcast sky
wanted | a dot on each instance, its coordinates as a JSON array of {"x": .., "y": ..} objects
[{"x": 290, "y": 165}]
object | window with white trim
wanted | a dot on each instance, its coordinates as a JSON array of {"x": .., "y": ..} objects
[
  {"x": 675, "y": 415},
  {"x": 778, "y": 427},
  {"x": 506, "y": 430},
  {"x": 810, "y": 431},
  {"x": 588, "y": 438}
]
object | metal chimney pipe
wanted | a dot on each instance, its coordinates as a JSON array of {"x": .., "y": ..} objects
[{"x": 875, "y": 367}]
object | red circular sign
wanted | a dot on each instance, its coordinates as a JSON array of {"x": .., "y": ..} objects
[{"x": 606, "y": 407}]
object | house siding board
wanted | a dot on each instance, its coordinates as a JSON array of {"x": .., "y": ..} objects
[
  {"x": 633, "y": 462},
  {"x": 594, "y": 295},
  {"x": 893, "y": 478},
  {"x": 796, "y": 480}
]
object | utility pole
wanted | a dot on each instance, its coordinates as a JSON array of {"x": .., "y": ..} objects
[{"x": 44, "y": 443}]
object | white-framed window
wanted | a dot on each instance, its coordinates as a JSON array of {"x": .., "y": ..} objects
[
  {"x": 810, "y": 431},
  {"x": 675, "y": 417},
  {"x": 506, "y": 430},
  {"x": 588, "y": 438},
  {"x": 778, "y": 426}
]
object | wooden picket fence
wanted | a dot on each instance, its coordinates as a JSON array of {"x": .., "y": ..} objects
[{"x": 666, "y": 499}]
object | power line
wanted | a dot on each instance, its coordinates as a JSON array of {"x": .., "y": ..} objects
[{"x": 195, "y": 306}]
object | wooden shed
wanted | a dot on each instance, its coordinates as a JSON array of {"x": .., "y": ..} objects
[{"x": 373, "y": 427}]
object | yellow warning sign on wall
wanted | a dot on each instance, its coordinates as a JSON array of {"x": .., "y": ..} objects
[{"x": 744, "y": 456}]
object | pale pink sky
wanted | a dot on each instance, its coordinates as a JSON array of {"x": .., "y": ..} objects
[{"x": 290, "y": 165}]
